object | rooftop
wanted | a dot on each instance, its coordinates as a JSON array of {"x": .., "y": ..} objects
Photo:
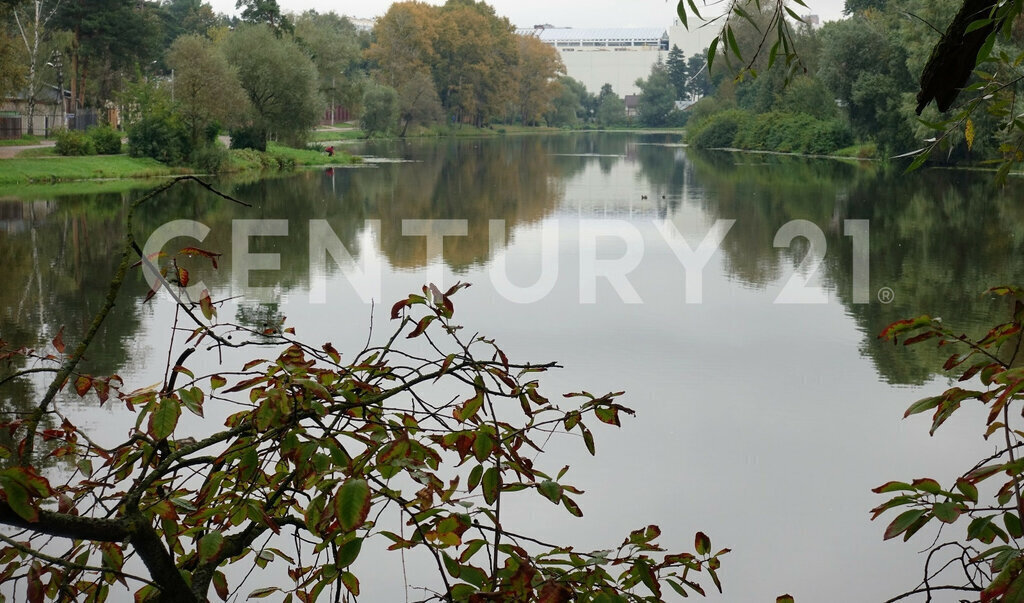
[{"x": 554, "y": 35}]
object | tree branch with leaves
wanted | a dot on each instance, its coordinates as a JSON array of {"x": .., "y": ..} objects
[{"x": 320, "y": 453}]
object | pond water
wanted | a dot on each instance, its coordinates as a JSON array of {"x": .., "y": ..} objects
[{"x": 764, "y": 424}]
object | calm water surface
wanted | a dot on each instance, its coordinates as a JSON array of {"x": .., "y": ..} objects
[{"x": 763, "y": 424}]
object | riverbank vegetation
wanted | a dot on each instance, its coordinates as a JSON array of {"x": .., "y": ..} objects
[
  {"x": 854, "y": 79},
  {"x": 188, "y": 77},
  {"x": 42, "y": 165}
]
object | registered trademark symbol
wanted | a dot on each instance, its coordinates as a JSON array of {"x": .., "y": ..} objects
[{"x": 886, "y": 295}]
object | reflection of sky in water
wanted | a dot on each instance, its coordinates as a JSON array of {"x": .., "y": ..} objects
[{"x": 761, "y": 424}]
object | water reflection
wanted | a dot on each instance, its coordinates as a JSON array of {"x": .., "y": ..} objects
[
  {"x": 937, "y": 238},
  {"x": 740, "y": 399}
]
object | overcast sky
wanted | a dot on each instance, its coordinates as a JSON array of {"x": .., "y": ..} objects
[{"x": 525, "y": 13}]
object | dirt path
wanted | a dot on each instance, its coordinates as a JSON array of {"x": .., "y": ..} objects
[{"x": 9, "y": 152}]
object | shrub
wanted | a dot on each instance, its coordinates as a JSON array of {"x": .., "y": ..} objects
[
  {"x": 249, "y": 137},
  {"x": 161, "y": 137},
  {"x": 380, "y": 111},
  {"x": 74, "y": 142},
  {"x": 209, "y": 158},
  {"x": 829, "y": 136},
  {"x": 106, "y": 139},
  {"x": 677, "y": 119},
  {"x": 719, "y": 130},
  {"x": 211, "y": 131},
  {"x": 705, "y": 108}
]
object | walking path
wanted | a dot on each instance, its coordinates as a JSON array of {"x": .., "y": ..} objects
[{"x": 9, "y": 152}]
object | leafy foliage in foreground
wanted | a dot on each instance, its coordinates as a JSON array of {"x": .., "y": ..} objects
[
  {"x": 990, "y": 559},
  {"x": 308, "y": 469}
]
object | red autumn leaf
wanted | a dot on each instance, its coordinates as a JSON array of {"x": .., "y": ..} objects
[
  {"x": 193, "y": 251},
  {"x": 58, "y": 341},
  {"x": 206, "y": 305},
  {"x": 82, "y": 385}
]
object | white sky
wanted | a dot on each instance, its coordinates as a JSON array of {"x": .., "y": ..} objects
[{"x": 566, "y": 13}]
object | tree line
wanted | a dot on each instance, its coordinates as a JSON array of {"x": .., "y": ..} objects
[
  {"x": 179, "y": 73},
  {"x": 850, "y": 81}
]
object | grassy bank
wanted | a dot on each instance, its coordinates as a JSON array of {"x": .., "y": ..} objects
[
  {"x": 22, "y": 170},
  {"x": 42, "y": 165}
]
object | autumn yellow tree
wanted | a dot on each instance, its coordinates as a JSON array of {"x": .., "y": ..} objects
[
  {"x": 404, "y": 42},
  {"x": 477, "y": 56},
  {"x": 539, "y": 66}
]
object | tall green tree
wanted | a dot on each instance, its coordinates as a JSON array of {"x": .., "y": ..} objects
[
  {"x": 182, "y": 17},
  {"x": 657, "y": 97},
  {"x": 572, "y": 105},
  {"x": 280, "y": 81},
  {"x": 109, "y": 38},
  {"x": 611, "y": 109},
  {"x": 418, "y": 103},
  {"x": 678, "y": 71},
  {"x": 380, "y": 110},
  {"x": 266, "y": 12},
  {"x": 206, "y": 87},
  {"x": 864, "y": 64},
  {"x": 332, "y": 42}
]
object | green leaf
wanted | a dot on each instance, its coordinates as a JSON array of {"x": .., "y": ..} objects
[
  {"x": 474, "y": 477},
  {"x": 946, "y": 512},
  {"x": 784, "y": 599},
  {"x": 492, "y": 485},
  {"x": 903, "y": 522},
  {"x": 892, "y": 487},
  {"x": 642, "y": 570},
  {"x": 702, "y": 543},
  {"x": 1013, "y": 525},
  {"x": 967, "y": 489},
  {"x": 711, "y": 53},
  {"x": 164, "y": 418},
  {"x": 588, "y": 439},
  {"x": 261, "y": 593},
  {"x": 681, "y": 11},
  {"x": 349, "y": 552},
  {"x": 693, "y": 7},
  {"x": 471, "y": 548},
  {"x": 732, "y": 43},
  {"x": 220, "y": 584},
  {"x": 210, "y": 546},
  {"x": 350, "y": 582},
  {"x": 483, "y": 445},
  {"x": 451, "y": 565},
  {"x": 923, "y": 405},
  {"x": 352, "y": 503},
  {"x": 572, "y": 507},
  {"x": 551, "y": 490}
]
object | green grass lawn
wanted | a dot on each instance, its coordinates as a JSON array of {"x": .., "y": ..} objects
[
  {"x": 308, "y": 156},
  {"x": 25, "y": 140},
  {"x": 22, "y": 170}
]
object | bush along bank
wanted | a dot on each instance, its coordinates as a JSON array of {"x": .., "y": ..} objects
[{"x": 774, "y": 131}]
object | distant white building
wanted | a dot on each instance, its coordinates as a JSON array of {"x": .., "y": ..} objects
[
  {"x": 616, "y": 56},
  {"x": 362, "y": 24}
]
